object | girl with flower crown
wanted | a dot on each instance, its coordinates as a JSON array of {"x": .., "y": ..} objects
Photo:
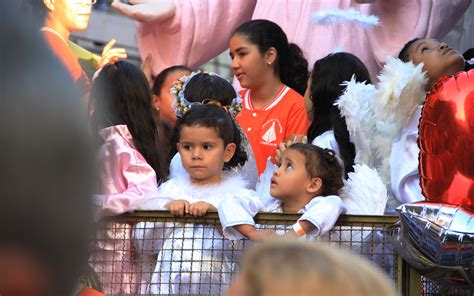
[
  {"x": 190, "y": 92},
  {"x": 199, "y": 88}
]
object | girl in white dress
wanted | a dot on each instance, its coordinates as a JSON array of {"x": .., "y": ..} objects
[
  {"x": 306, "y": 181},
  {"x": 195, "y": 258}
]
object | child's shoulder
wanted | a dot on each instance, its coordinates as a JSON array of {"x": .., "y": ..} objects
[{"x": 320, "y": 200}]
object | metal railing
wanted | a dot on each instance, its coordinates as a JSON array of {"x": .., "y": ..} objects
[{"x": 157, "y": 253}]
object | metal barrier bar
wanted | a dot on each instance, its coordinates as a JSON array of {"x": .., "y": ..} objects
[{"x": 153, "y": 252}]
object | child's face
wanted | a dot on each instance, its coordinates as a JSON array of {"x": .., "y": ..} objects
[
  {"x": 290, "y": 179},
  {"x": 163, "y": 101},
  {"x": 438, "y": 58},
  {"x": 248, "y": 64},
  {"x": 203, "y": 154}
]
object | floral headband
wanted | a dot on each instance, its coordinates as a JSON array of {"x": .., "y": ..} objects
[{"x": 181, "y": 105}]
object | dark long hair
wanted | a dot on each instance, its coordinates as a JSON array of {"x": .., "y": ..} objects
[
  {"x": 215, "y": 117},
  {"x": 120, "y": 95},
  {"x": 326, "y": 79},
  {"x": 291, "y": 65}
]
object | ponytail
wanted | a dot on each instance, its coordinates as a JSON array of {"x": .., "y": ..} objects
[{"x": 294, "y": 69}]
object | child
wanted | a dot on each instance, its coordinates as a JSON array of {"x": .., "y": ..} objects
[
  {"x": 204, "y": 87},
  {"x": 328, "y": 128},
  {"x": 208, "y": 143},
  {"x": 306, "y": 181},
  {"x": 274, "y": 74},
  {"x": 294, "y": 267},
  {"x": 438, "y": 60},
  {"x": 131, "y": 164},
  {"x": 162, "y": 98}
]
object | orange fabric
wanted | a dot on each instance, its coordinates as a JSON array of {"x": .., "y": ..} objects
[
  {"x": 268, "y": 126},
  {"x": 86, "y": 291},
  {"x": 61, "y": 49}
]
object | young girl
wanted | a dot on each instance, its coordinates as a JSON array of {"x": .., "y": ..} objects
[
  {"x": 274, "y": 74},
  {"x": 131, "y": 165},
  {"x": 208, "y": 143},
  {"x": 205, "y": 87},
  {"x": 328, "y": 128},
  {"x": 162, "y": 100},
  {"x": 306, "y": 181}
]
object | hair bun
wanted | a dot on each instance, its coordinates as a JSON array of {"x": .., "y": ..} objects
[{"x": 329, "y": 155}]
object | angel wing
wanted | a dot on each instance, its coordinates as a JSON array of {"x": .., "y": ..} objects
[
  {"x": 364, "y": 192},
  {"x": 355, "y": 106},
  {"x": 400, "y": 91}
]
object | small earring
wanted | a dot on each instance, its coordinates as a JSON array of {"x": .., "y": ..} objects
[
  {"x": 158, "y": 109},
  {"x": 269, "y": 63}
]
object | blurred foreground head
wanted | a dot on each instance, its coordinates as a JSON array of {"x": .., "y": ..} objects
[
  {"x": 295, "y": 267},
  {"x": 46, "y": 166}
]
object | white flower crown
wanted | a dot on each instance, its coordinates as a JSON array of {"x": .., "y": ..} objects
[{"x": 181, "y": 105}]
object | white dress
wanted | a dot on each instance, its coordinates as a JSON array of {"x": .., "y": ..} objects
[
  {"x": 405, "y": 178},
  {"x": 195, "y": 258},
  {"x": 321, "y": 211}
]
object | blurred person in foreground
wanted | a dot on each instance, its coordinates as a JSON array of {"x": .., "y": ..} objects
[
  {"x": 284, "y": 266},
  {"x": 46, "y": 172}
]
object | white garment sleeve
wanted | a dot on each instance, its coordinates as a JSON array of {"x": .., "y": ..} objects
[
  {"x": 239, "y": 210},
  {"x": 323, "y": 212}
]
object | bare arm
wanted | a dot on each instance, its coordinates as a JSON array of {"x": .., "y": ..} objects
[{"x": 250, "y": 232}]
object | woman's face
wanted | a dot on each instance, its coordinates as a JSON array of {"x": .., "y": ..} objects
[
  {"x": 163, "y": 101},
  {"x": 249, "y": 66},
  {"x": 308, "y": 101}
]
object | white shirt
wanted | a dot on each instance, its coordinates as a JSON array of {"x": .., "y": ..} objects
[
  {"x": 327, "y": 140},
  {"x": 321, "y": 211}
]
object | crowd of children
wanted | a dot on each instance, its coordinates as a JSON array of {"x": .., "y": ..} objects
[
  {"x": 208, "y": 164},
  {"x": 192, "y": 144}
]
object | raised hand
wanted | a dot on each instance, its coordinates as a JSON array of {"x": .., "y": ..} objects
[
  {"x": 111, "y": 55},
  {"x": 146, "y": 11}
]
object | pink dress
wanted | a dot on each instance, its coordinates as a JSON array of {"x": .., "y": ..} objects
[
  {"x": 201, "y": 29},
  {"x": 126, "y": 181}
]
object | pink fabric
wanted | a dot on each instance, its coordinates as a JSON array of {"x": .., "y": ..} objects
[
  {"x": 201, "y": 29},
  {"x": 127, "y": 181}
]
